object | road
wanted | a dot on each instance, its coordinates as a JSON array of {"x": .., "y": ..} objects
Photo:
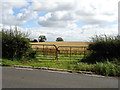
[{"x": 29, "y": 78}]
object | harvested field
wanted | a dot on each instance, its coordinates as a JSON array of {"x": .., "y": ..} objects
[
  {"x": 63, "y": 47},
  {"x": 65, "y": 43}
]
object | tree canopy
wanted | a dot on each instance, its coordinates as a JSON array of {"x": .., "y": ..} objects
[
  {"x": 34, "y": 40},
  {"x": 42, "y": 38},
  {"x": 59, "y": 39}
]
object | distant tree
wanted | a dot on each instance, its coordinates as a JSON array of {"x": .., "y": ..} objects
[
  {"x": 34, "y": 40},
  {"x": 59, "y": 39},
  {"x": 42, "y": 38}
]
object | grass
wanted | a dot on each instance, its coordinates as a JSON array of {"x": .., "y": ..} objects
[
  {"x": 6, "y": 62},
  {"x": 106, "y": 68},
  {"x": 61, "y": 57}
]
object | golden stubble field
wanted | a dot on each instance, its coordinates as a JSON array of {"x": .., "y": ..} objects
[
  {"x": 65, "y": 43},
  {"x": 75, "y": 49}
]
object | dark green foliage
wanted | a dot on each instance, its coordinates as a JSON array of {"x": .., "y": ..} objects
[
  {"x": 59, "y": 39},
  {"x": 15, "y": 45},
  {"x": 0, "y": 45},
  {"x": 104, "y": 48},
  {"x": 32, "y": 54},
  {"x": 35, "y": 40},
  {"x": 42, "y": 38}
]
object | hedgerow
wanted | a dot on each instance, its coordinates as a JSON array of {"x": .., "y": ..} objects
[{"x": 15, "y": 45}]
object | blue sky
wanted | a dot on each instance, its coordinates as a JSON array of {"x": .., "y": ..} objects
[
  {"x": 32, "y": 23},
  {"x": 63, "y": 18}
]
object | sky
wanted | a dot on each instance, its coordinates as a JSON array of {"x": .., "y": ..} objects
[{"x": 73, "y": 20}]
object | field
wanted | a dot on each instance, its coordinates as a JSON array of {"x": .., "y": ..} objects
[
  {"x": 68, "y": 49},
  {"x": 63, "y": 47},
  {"x": 65, "y": 43}
]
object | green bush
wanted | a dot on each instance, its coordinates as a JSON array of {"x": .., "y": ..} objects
[
  {"x": 104, "y": 48},
  {"x": 15, "y": 45}
]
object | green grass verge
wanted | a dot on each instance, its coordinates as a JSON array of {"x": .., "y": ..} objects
[
  {"x": 6, "y": 62},
  {"x": 61, "y": 57},
  {"x": 106, "y": 68}
]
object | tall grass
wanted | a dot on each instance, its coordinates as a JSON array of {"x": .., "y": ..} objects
[{"x": 107, "y": 69}]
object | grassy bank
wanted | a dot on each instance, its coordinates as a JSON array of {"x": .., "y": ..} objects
[{"x": 106, "y": 68}]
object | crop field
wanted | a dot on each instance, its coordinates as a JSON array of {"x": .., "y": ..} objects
[
  {"x": 60, "y": 45},
  {"x": 65, "y": 43},
  {"x": 61, "y": 49}
]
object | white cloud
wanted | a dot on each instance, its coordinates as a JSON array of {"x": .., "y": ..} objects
[
  {"x": 14, "y": 3},
  {"x": 7, "y": 13},
  {"x": 86, "y": 11},
  {"x": 56, "y": 19},
  {"x": 62, "y": 15},
  {"x": 78, "y": 34},
  {"x": 52, "y": 5}
]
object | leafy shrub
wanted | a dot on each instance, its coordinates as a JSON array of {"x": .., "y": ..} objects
[
  {"x": 15, "y": 45},
  {"x": 104, "y": 48},
  {"x": 32, "y": 54}
]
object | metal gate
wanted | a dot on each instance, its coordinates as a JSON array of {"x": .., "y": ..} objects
[
  {"x": 52, "y": 52},
  {"x": 45, "y": 51},
  {"x": 72, "y": 52}
]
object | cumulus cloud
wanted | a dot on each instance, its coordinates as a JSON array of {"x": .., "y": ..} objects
[
  {"x": 98, "y": 16},
  {"x": 57, "y": 19},
  {"x": 52, "y": 5},
  {"x": 7, "y": 12},
  {"x": 79, "y": 34},
  {"x": 14, "y": 4},
  {"x": 63, "y": 11},
  {"x": 86, "y": 11},
  {"x": 83, "y": 33}
]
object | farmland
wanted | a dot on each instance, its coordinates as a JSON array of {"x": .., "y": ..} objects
[
  {"x": 68, "y": 49},
  {"x": 62, "y": 47},
  {"x": 65, "y": 43}
]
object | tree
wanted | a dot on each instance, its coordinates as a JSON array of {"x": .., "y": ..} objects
[
  {"x": 59, "y": 39},
  {"x": 34, "y": 40},
  {"x": 42, "y": 38}
]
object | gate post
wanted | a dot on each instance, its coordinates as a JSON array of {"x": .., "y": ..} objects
[
  {"x": 56, "y": 53},
  {"x": 70, "y": 53},
  {"x": 84, "y": 52}
]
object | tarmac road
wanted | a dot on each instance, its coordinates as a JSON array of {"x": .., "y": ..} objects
[{"x": 35, "y": 78}]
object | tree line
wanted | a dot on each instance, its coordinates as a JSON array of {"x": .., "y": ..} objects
[{"x": 42, "y": 38}]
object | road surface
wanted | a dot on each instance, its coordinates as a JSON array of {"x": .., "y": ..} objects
[{"x": 29, "y": 78}]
